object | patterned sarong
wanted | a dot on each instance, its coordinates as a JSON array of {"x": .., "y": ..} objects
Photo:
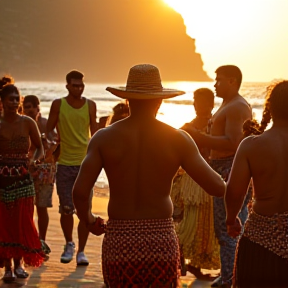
[
  {"x": 140, "y": 253},
  {"x": 195, "y": 229},
  {"x": 262, "y": 253},
  {"x": 227, "y": 244}
]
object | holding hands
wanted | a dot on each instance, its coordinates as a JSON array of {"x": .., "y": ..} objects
[
  {"x": 235, "y": 228},
  {"x": 97, "y": 227}
]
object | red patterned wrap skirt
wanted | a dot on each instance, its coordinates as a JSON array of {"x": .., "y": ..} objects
[
  {"x": 18, "y": 235},
  {"x": 140, "y": 253}
]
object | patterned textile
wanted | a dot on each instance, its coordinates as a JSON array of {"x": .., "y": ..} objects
[
  {"x": 269, "y": 232},
  {"x": 140, "y": 253},
  {"x": 18, "y": 235},
  {"x": 257, "y": 267},
  {"x": 43, "y": 177},
  {"x": 195, "y": 231},
  {"x": 227, "y": 243}
]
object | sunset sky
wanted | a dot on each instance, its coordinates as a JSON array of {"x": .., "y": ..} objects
[{"x": 252, "y": 34}]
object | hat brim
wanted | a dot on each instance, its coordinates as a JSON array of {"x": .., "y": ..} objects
[{"x": 163, "y": 94}]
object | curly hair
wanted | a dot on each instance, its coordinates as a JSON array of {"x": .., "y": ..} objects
[
  {"x": 6, "y": 79},
  {"x": 276, "y": 103},
  {"x": 8, "y": 89}
]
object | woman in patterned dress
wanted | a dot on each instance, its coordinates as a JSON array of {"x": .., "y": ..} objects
[{"x": 19, "y": 239}]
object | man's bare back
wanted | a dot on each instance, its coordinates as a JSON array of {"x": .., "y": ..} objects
[
  {"x": 140, "y": 159},
  {"x": 267, "y": 157}
]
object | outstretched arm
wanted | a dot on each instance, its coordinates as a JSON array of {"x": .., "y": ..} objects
[
  {"x": 89, "y": 171},
  {"x": 198, "y": 169},
  {"x": 233, "y": 135},
  {"x": 237, "y": 187}
]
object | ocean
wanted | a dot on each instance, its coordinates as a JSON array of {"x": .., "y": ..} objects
[{"x": 175, "y": 111}]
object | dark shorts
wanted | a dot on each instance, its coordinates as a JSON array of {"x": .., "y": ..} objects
[{"x": 65, "y": 178}]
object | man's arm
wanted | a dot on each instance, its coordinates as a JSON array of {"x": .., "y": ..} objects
[
  {"x": 89, "y": 171},
  {"x": 198, "y": 169},
  {"x": 92, "y": 115},
  {"x": 53, "y": 116},
  {"x": 34, "y": 135},
  {"x": 234, "y": 119},
  {"x": 237, "y": 186}
]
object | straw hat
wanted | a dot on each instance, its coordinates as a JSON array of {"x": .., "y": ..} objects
[{"x": 144, "y": 82}]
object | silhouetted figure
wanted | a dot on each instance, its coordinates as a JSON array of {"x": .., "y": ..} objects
[
  {"x": 225, "y": 136},
  {"x": 197, "y": 239},
  {"x": 140, "y": 156},
  {"x": 43, "y": 172},
  {"x": 18, "y": 237},
  {"x": 262, "y": 254}
]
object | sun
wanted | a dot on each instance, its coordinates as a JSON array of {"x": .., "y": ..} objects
[{"x": 178, "y": 5}]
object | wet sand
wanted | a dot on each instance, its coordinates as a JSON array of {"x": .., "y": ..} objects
[{"x": 54, "y": 274}]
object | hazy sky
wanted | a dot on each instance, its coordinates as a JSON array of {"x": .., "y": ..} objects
[{"x": 252, "y": 34}]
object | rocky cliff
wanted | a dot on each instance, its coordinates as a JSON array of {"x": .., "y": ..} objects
[{"x": 41, "y": 40}]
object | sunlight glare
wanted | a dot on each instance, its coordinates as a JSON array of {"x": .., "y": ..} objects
[{"x": 250, "y": 34}]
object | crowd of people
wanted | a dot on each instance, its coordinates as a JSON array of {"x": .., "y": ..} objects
[{"x": 227, "y": 206}]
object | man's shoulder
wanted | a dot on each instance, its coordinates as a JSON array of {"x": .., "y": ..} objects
[
  {"x": 239, "y": 104},
  {"x": 57, "y": 101}
]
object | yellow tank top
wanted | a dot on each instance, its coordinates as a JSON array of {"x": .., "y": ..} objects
[{"x": 73, "y": 127}]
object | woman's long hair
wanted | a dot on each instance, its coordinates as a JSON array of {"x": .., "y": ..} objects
[{"x": 252, "y": 127}]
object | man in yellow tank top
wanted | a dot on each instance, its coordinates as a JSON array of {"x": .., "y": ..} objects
[{"x": 74, "y": 117}]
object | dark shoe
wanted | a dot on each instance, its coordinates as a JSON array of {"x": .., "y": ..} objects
[
  {"x": 217, "y": 282},
  {"x": 21, "y": 273},
  {"x": 46, "y": 249},
  {"x": 9, "y": 276}
]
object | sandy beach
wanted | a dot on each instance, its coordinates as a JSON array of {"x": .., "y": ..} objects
[{"x": 54, "y": 274}]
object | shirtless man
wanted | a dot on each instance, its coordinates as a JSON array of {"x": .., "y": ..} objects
[
  {"x": 225, "y": 136},
  {"x": 140, "y": 156},
  {"x": 262, "y": 256}
]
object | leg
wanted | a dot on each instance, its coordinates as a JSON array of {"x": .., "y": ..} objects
[
  {"x": 9, "y": 276},
  {"x": 43, "y": 221},
  {"x": 227, "y": 243},
  {"x": 67, "y": 224},
  {"x": 65, "y": 177},
  {"x": 83, "y": 234},
  {"x": 18, "y": 268}
]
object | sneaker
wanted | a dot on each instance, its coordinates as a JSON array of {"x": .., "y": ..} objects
[
  {"x": 82, "y": 259},
  {"x": 68, "y": 253}
]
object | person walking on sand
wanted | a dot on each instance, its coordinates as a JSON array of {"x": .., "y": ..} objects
[
  {"x": 195, "y": 230},
  {"x": 262, "y": 254},
  {"x": 73, "y": 116},
  {"x": 43, "y": 172},
  {"x": 225, "y": 136},
  {"x": 140, "y": 156},
  {"x": 19, "y": 240}
]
